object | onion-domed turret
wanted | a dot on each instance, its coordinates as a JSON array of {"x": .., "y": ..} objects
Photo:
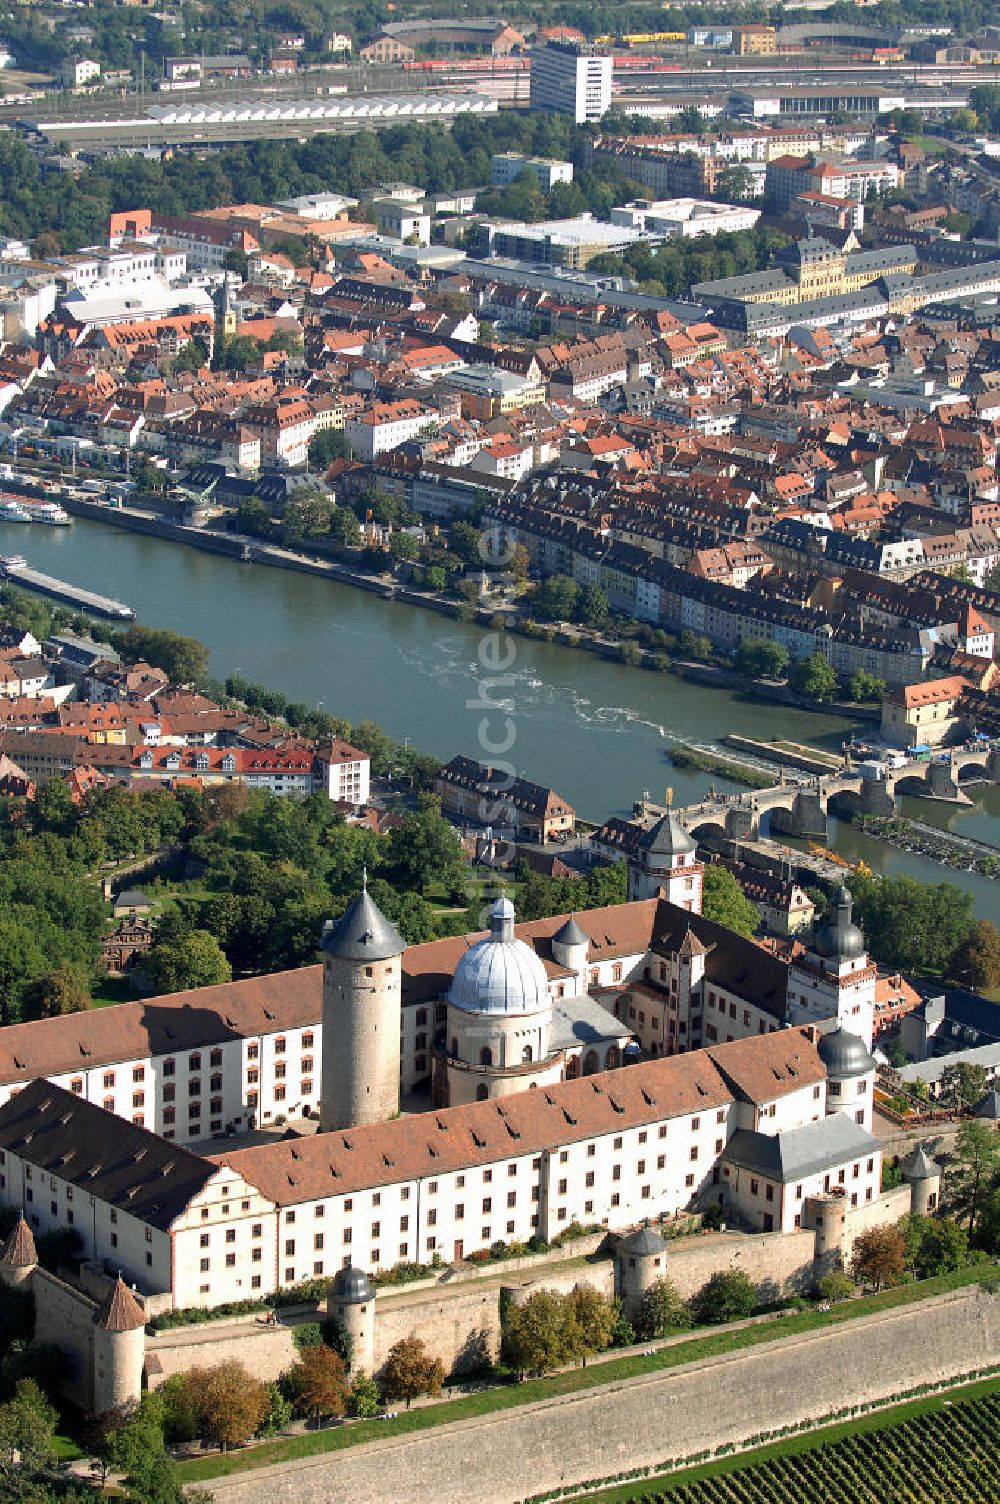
[
  {"x": 352, "y": 1287},
  {"x": 839, "y": 939},
  {"x": 500, "y": 974},
  {"x": 844, "y": 1055}
]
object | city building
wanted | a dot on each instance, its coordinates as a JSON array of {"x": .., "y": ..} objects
[
  {"x": 571, "y": 79},
  {"x": 507, "y": 166}
]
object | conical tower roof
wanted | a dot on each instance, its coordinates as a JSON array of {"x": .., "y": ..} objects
[
  {"x": 692, "y": 946},
  {"x": 19, "y": 1249},
  {"x": 644, "y": 1242},
  {"x": 570, "y": 933},
  {"x": 988, "y": 1106},
  {"x": 362, "y": 933},
  {"x": 918, "y": 1165},
  {"x": 667, "y": 837},
  {"x": 119, "y": 1311}
]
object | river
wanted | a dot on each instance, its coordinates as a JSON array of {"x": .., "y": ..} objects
[{"x": 594, "y": 730}]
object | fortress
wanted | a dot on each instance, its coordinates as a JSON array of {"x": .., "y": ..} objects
[{"x": 613, "y": 1068}]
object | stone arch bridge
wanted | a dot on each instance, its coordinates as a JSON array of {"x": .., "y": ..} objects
[{"x": 801, "y": 808}]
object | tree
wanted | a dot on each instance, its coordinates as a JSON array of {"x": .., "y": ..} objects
[
  {"x": 557, "y": 598},
  {"x": 54, "y": 993},
  {"x": 594, "y": 1316},
  {"x": 690, "y": 121},
  {"x": 364, "y": 1399},
  {"x": 185, "y": 659},
  {"x": 694, "y": 645},
  {"x": 661, "y": 1310},
  {"x": 879, "y": 1257},
  {"x": 735, "y": 184},
  {"x": 593, "y": 609},
  {"x": 963, "y": 1084},
  {"x": 834, "y": 1286},
  {"x": 237, "y": 353},
  {"x": 404, "y": 548},
  {"x": 540, "y": 1333},
  {"x": 728, "y": 1296},
  {"x": 135, "y": 1447},
  {"x": 409, "y": 1371},
  {"x": 27, "y": 1425},
  {"x": 308, "y": 512},
  {"x": 426, "y": 850},
  {"x": 934, "y": 1245},
  {"x": 764, "y": 660},
  {"x": 191, "y": 357},
  {"x": 231, "y": 1404},
  {"x": 192, "y": 958},
  {"x": 724, "y": 901},
  {"x": 975, "y": 1170},
  {"x": 992, "y": 580},
  {"x": 912, "y": 924},
  {"x": 977, "y": 960},
  {"x": 814, "y": 676},
  {"x": 100, "y": 1437},
  {"x": 520, "y": 563},
  {"x": 319, "y": 1382},
  {"x": 345, "y": 528},
  {"x": 863, "y": 687}
]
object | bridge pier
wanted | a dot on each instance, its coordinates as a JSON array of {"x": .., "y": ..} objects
[
  {"x": 806, "y": 817},
  {"x": 942, "y": 781},
  {"x": 992, "y": 765},
  {"x": 877, "y": 798}
]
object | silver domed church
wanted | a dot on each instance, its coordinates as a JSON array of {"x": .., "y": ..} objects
[{"x": 505, "y": 1032}]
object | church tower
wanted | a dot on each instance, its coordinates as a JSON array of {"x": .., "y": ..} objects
[
  {"x": 362, "y": 1014},
  {"x": 666, "y": 863}
]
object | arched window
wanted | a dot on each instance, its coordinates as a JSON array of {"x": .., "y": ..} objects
[
  {"x": 572, "y": 1067},
  {"x": 590, "y": 1063},
  {"x": 613, "y": 1059},
  {"x": 482, "y": 1092},
  {"x": 485, "y": 1055},
  {"x": 526, "y": 1053}
]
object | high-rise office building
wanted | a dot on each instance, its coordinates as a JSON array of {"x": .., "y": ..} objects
[{"x": 570, "y": 79}]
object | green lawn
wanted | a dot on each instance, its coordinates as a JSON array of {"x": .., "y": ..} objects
[
  {"x": 505, "y": 1397},
  {"x": 65, "y": 1448},
  {"x": 110, "y": 990},
  {"x": 796, "y": 1446}
]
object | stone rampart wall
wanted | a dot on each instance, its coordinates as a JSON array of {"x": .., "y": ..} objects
[
  {"x": 650, "y": 1420},
  {"x": 267, "y": 1351},
  {"x": 65, "y": 1317}
]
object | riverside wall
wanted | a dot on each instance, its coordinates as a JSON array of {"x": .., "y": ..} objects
[{"x": 651, "y": 1420}]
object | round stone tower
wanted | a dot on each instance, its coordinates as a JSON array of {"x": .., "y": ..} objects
[
  {"x": 642, "y": 1260},
  {"x": 119, "y": 1349},
  {"x": 351, "y": 1301},
  {"x": 362, "y": 1014},
  {"x": 923, "y": 1175},
  {"x": 18, "y": 1259}
]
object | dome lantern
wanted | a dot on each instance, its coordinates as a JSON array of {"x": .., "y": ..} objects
[{"x": 500, "y": 974}]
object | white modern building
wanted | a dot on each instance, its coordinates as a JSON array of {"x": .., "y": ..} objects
[
  {"x": 684, "y": 217},
  {"x": 570, "y": 79},
  {"x": 507, "y": 166}
]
